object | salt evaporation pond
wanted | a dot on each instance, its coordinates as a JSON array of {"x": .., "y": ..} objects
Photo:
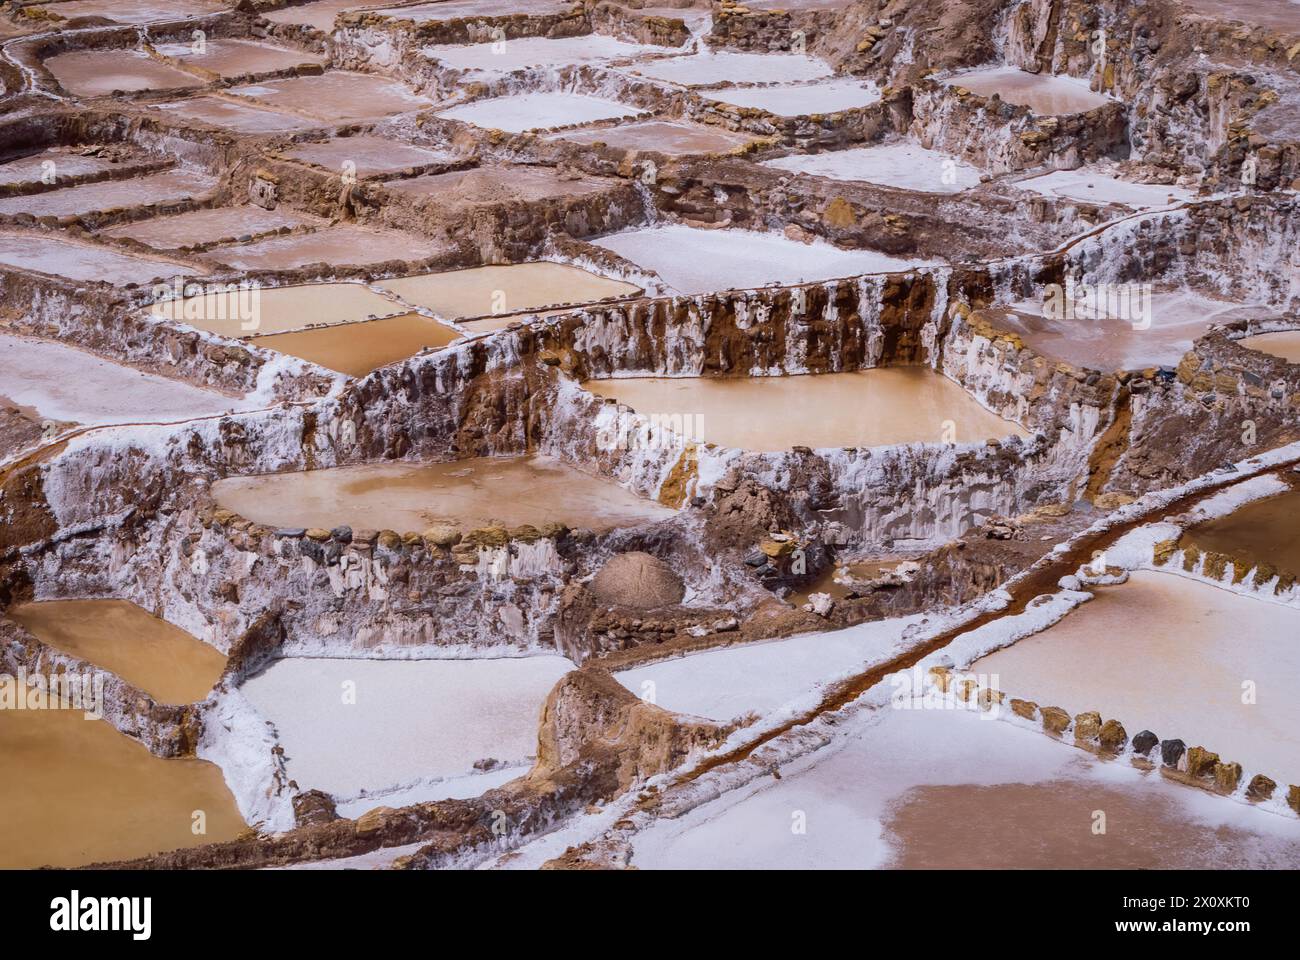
[
  {"x": 1177, "y": 319},
  {"x": 96, "y": 73},
  {"x": 166, "y": 187},
  {"x": 276, "y": 309},
  {"x": 864, "y": 408},
  {"x": 519, "y": 183},
  {"x": 936, "y": 789},
  {"x": 451, "y": 714},
  {"x": 756, "y": 678},
  {"x": 336, "y": 96},
  {"x": 68, "y": 163},
  {"x": 369, "y": 155},
  {"x": 511, "y": 491},
  {"x": 210, "y": 225},
  {"x": 799, "y": 100},
  {"x": 455, "y": 9},
  {"x": 1285, "y": 344},
  {"x": 538, "y": 111},
  {"x": 340, "y": 244},
  {"x": 524, "y": 52},
  {"x": 1268, "y": 13},
  {"x": 138, "y": 11},
  {"x": 728, "y": 66},
  {"x": 241, "y": 118},
  {"x": 83, "y": 261},
  {"x": 66, "y": 385},
  {"x": 692, "y": 260},
  {"x": 319, "y": 15},
  {"x": 1265, "y": 531},
  {"x": 1044, "y": 94},
  {"x": 1171, "y": 655},
  {"x": 1094, "y": 187},
  {"x": 164, "y": 661},
  {"x": 508, "y": 289},
  {"x": 358, "y": 348},
  {"x": 90, "y": 794},
  {"x": 675, "y": 138},
  {"x": 908, "y": 166},
  {"x": 237, "y": 58}
]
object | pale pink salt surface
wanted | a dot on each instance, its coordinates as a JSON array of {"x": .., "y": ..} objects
[
  {"x": 209, "y": 225},
  {"x": 164, "y": 187},
  {"x": 538, "y": 111},
  {"x": 671, "y": 137},
  {"x": 235, "y": 58},
  {"x": 798, "y": 100},
  {"x": 31, "y": 168},
  {"x": 728, "y": 66},
  {"x": 1172, "y": 655},
  {"x": 343, "y": 244},
  {"x": 94, "y": 73},
  {"x": 947, "y": 789},
  {"x": 908, "y": 166},
  {"x": 449, "y": 713},
  {"x": 1096, "y": 187},
  {"x": 336, "y": 95},
  {"x": 692, "y": 260},
  {"x": 369, "y": 155},
  {"x": 85, "y": 262},
  {"x": 319, "y": 15},
  {"x": 1285, "y": 344},
  {"x": 525, "y": 52},
  {"x": 759, "y": 677},
  {"x": 1044, "y": 94},
  {"x": 137, "y": 11},
  {"x": 68, "y": 385},
  {"x": 242, "y": 118},
  {"x": 455, "y": 9}
]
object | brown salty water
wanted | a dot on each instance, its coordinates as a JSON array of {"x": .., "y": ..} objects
[
  {"x": 1267, "y": 531},
  {"x": 163, "y": 660},
  {"x": 1172, "y": 655},
  {"x": 358, "y": 348},
  {"x": 483, "y": 291},
  {"x": 1285, "y": 344},
  {"x": 277, "y": 309},
  {"x": 77, "y": 791},
  {"x": 865, "y": 408},
  {"x": 412, "y": 496}
]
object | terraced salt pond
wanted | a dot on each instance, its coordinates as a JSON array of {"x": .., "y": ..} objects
[
  {"x": 538, "y": 111},
  {"x": 757, "y": 678},
  {"x": 358, "y": 348},
  {"x": 1115, "y": 342},
  {"x": 237, "y": 58},
  {"x": 138, "y": 11},
  {"x": 454, "y": 9},
  {"x": 341, "y": 244},
  {"x": 798, "y": 100},
  {"x": 1044, "y": 94},
  {"x": 67, "y": 162},
  {"x": 85, "y": 262},
  {"x": 728, "y": 66},
  {"x": 496, "y": 184},
  {"x": 936, "y": 789},
  {"x": 239, "y": 117},
  {"x": 1094, "y": 187},
  {"x": 865, "y": 408},
  {"x": 66, "y": 385},
  {"x": 336, "y": 96},
  {"x": 1263, "y": 531},
  {"x": 502, "y": 290},
  {"x": 1170, "y": 654},
  {"x": 511, "y": 491},
  {"x": 905, "y": 165},
  {"x": 210, "y": 225},
  {"x": 96, "y": 73},
  {"x": 89, "y": 794},
  {"x": 693, "y": 260},
  {"x": 1285, "y": 344},
  {"x": 276, "y": 309},
  {"x": 525, "y": 52},
  {"x": 164, "y": 661},
  {"x": 369, "y": 156},
  {"x": 452, "y": 714},
  {"x": 166, "y": 187},
  {"x": 671, "y": 137}
]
